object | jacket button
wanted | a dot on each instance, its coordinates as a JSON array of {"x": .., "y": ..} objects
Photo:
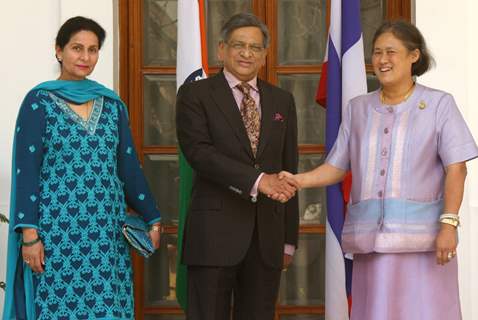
[{"x": 257, "y": 166}]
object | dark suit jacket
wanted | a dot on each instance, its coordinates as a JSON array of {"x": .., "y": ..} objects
[{"x": 213, "y": 138}]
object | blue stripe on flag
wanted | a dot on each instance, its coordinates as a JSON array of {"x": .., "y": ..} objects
[
  {"x": 335, "y": 209},
  {"x": 335, "y": 203},
  {"x": 351, "y": 26},
  {"x": 348, "y": 276},
  {"x": 334, "y": 97}
]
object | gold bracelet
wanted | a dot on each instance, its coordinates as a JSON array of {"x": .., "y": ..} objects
[
  {"x": 156, "y": 228},
  {"x": 450, "y": 221},
  {"x": 449, "y": 215}
]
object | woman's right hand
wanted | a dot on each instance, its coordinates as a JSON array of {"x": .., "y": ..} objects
[
  {"x": 33, "y": 256},
  {"x": 294, "y": 179}
]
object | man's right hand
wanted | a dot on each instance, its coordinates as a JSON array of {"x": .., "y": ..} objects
[{"x": 270, "y": 184}]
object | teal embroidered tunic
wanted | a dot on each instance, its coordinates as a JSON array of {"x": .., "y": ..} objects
[{"x": 73, "y": 179}]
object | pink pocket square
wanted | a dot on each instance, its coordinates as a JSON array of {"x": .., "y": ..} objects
[{"x": 278, "y": 117}]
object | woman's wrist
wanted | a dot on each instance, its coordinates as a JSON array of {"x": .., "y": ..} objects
[
  {"x": 300, "y": 179},
  {"x": 156, "y": 227},
  {"x": 447, "y": 227},
  {"x": 29, "y": 234},
  {"x": 451, "y": 219},
  {"x": 30, "y": 243}
]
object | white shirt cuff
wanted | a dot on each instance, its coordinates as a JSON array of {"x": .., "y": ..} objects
[
  {"x": 254, "y": 190},
  {"x": 289, "y": 249}
]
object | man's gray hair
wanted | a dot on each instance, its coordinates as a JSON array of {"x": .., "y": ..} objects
[{"x": 241, "y": 20}]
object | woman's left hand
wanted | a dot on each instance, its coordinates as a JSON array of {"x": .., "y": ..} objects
[
  {"x": 446, "y": 243},
  {"x": 155, "y": 236}
]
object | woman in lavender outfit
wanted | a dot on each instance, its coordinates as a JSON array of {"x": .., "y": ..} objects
[{"x": 406, "y": 146}]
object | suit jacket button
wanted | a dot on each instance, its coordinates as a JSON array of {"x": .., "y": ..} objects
[
  {"x": 253, "y": 199},
  {"x": 257, "y": 166}
]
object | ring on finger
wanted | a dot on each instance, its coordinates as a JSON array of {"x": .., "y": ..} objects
[
  {"x": 450, "y": 255},
  {"x": 27, "y": 261}
]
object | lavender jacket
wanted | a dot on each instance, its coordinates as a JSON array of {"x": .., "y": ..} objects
[{"x": 398, "y": 157}]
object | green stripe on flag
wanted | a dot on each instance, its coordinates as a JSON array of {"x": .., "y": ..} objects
[{"x": 185, "y": 186}]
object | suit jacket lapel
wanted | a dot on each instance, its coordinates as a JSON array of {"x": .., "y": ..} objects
[
  {"x": 267, "y": 110},
  {"x": 222, "y": 95}
]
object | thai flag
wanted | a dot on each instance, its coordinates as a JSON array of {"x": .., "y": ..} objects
[
  {"x": 191, "y": 65},
  {"x": 343, "y": 78}
]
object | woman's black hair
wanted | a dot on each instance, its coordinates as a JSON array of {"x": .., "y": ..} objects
[
  {"x": 75, "y": 25},
  {"x": 412, "y": 39}
]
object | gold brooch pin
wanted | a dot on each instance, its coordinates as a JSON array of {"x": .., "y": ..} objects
[{"x": 422, "y": 105}]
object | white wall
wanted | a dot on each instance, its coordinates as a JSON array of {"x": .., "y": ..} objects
[
  {"x": 27, "y": 33},
  {"x": 448, "y": 27}
]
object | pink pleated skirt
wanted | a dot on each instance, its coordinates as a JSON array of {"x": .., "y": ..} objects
[{"x": 404, "y": 286}]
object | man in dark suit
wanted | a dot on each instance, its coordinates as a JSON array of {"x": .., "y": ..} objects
[{"x": 237, "y": 132}]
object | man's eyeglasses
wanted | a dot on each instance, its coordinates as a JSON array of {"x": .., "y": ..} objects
[{"x": 242, "y": 46}]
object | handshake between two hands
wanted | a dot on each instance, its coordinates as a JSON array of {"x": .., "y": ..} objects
[{"x": 279, "y": 186}]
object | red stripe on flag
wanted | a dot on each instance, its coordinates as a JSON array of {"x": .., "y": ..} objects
[
  {"x": 347, "y": 186},
  {"x": 321, "y": 96}
]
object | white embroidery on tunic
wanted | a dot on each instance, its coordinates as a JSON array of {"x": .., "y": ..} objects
[
  {"x": 367, "y": 188},
  {"x": 397, "y": 161}
]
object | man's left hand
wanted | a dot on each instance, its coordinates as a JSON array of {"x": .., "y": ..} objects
[{"x": 287, "y": 261}]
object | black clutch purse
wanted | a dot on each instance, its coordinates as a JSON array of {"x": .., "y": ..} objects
[{"x": 136, "y": 231}]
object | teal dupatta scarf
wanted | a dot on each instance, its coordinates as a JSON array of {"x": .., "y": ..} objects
[{"x": 77, "y": 92}]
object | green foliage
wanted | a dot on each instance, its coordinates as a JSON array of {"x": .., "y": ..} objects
[{"x": 3, "y": 219}]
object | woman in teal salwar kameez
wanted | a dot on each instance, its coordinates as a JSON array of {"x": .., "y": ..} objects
[{"x": 74, "y": 170}]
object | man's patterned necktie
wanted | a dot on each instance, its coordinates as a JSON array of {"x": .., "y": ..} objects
[{"x": 250, "y": 116}]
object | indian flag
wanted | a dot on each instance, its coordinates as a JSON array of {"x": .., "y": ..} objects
[{"x": 191, "y": 66}]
